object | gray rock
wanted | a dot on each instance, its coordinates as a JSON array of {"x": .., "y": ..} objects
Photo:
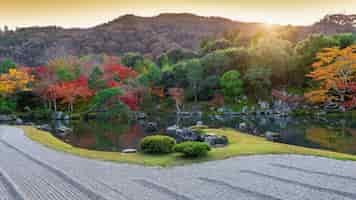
[
  {"x": 243, "y": 126},
  {"x": 6, "y": 118},
  {"x": 200, "y": 123},
  {"x": 272, "y": 136},
  {"x": 129, "y": 151},
  {"x": 45, "y": 127},
  {"x": 19, "y": 121},
  {"x": 215, "y": 140},
  {"x": 64, "y": 129},
  {"x": 172, "y": 130},
  {"x": 141, "y": 115},
  {"x": 187, "y": 135},
  {"x": 151, "y": 126}
]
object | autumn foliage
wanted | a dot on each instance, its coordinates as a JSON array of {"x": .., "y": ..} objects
[
  {"x": 65, "y": 82},
  {"x": 15, "y": 80},
  {"x": 335, "y": 74}
]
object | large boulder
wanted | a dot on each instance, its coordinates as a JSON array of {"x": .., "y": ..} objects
[
  {"x": 19, "y": 121},
  {"x": 184, "y": 134},
  {"x": 151, "y": 127},
  {"x": 188, "y": 134},
  {"x": 214, "y": 140},
  {"x": 63, "y": 131}
]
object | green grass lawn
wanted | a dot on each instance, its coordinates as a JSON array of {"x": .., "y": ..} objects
[{"x": 240, "y": 144}]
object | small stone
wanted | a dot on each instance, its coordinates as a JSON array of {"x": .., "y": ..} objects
[
  {"x": 129, "y": 151},
  {"x": 200, "y": 123},
  {"x": 243, "y": 126},
  {"x": 141, "y": 115}
]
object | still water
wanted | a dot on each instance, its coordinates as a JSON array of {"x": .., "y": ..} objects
[{"x": 331, "y": 134}]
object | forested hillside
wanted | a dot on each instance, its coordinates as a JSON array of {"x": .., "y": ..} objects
[{"x": 150, "y": 36}]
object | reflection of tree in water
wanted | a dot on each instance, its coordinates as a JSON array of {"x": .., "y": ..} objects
[
  {"x": 114, "y": 135},
  {"x": 98, "y": 134},
  {"x": 131, "y": 137},
  {"x": 339, "y": 140}
]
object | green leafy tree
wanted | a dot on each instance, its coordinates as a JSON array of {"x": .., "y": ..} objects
[
  {"x": 132, "y": 59},
  {"x": 151, "y": 74},
  {"x": 276, "y": 54},
  {"x": 195, "y": 75},
  {"x": 259, "y": 80},
  {"x": 179, "y": 54},
  {"x": 107, "y": 100},
  {"x": 95, "y": 79},
  {"x": 223, "y": 60},
  {"x": 306, "y": 51},
  {"x": 231, "y": 85},
  {"x": 345, "y": 39},
  {"x": 214, "y": 45}
]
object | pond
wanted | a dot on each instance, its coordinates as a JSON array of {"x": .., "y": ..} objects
[{"x": 322, "y": 133}]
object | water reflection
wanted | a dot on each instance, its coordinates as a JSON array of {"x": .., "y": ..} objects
[{"x": 332, "y": 134}]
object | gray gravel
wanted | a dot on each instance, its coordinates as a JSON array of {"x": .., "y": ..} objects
[{"x": 31, "y": 171}]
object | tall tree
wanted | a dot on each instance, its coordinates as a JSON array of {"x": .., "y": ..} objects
[
  {"x": 259, "y": 80},
  {"x": 231, "y": 85},
  {"x": 195, "y": 75}
]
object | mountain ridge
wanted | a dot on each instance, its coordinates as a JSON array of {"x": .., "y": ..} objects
[{"x": 130, "y": 33}]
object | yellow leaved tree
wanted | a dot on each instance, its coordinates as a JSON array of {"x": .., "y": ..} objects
[{"x": 14, "y": 81}]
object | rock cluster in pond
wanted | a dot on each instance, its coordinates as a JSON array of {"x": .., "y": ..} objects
[
  {"x": 12, "y": 119},
  {"x": 58, "y": 129},
  {"x": 7, "y": 118},
  {"x": 187, "y": 134}
]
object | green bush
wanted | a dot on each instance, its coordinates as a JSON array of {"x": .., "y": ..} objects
[
  {"x": 157, "y": 144},
  {"x": 192, "y": 149},
  {"x": 7, "y": 106}
]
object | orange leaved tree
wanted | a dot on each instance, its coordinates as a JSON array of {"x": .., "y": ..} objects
[{"x": 335, "y": 74}]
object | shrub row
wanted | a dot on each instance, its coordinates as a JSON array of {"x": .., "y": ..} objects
[{"x": 159, "y": 144}]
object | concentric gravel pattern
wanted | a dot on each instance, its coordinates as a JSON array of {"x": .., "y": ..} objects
[{"x": 30, "y": 171}]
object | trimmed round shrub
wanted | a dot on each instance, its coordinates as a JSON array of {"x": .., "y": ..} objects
[
  {"x": 192, "y": 149},
  {"x": 157, "y": 144}
]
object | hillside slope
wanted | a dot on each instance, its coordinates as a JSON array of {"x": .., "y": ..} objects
[{"x": 148, "y": 35}]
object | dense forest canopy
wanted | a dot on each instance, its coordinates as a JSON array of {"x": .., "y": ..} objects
[{"x": 226, "y": 68}]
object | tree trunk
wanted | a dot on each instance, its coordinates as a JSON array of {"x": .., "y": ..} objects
[{"x": 55, "y": 105}]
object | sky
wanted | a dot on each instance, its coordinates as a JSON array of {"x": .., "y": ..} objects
[{"x": 88, "y": 13}]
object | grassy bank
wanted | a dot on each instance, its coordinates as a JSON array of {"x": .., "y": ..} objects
[{"x": 240, "y": 144}]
